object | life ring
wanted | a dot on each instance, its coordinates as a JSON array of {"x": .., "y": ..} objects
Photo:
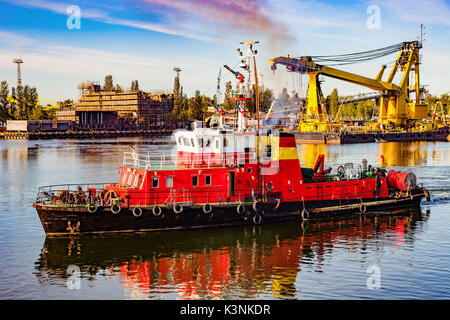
[
  {"x": 427, "y": 194},
  {"x": 305, "y": 214},
  {"x": 179, "y": 206},
  {"x": 157, "y": 211},
  {"x": 109, "y": 196},
  {"x": 92, "y": 208},
  {"x": 137, "y": 212},
  {"x": 257, "y": 219},
  {"x": 255, "y": 205},
  {"x": 240, "y": 209},
  {"x": 362, "y": 208},
  {"x": 115, "y": 208},
  {"x": 207, "y": 208}
]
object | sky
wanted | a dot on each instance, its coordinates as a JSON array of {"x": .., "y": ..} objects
[{"x": 64, "y": 43}]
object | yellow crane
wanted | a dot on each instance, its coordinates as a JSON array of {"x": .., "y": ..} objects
[
  {"x": 56, "y": 105},
  {"x": 396, "y": 106}
]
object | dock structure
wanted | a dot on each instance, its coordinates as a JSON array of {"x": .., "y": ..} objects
[{"x": 35, "y": 135}]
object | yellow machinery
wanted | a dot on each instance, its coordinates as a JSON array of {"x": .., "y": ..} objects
[
  {"x": 57, "y": 105},
  {"x": 439, "y": 115},
  {"x": 396, "y": 106}
]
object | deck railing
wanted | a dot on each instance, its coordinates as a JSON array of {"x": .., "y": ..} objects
[
  {"x": 51, "y": 195},
  {"x": 160, "y": 161}
]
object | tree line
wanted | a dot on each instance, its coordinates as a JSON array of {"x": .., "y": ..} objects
[
  {"x": 365, "y": 110},
  {"x": 108, "y": 84},
  {"x": 361, "y": 110},
  {"x": 21, "y": 103},
  {"x": 196, "y": 107}
]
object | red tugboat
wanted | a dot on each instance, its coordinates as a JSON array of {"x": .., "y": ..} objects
[{"x": 222, "y": 177}]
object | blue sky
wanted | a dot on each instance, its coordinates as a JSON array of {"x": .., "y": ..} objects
[{"x": 145, "y": 39}]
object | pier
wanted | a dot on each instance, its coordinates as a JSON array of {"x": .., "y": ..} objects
[{"x": 21, "y": 135}]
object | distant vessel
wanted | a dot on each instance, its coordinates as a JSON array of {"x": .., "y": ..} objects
[
  {"x": 441, "y": 134},
  {"x": 401, "y": 115}
]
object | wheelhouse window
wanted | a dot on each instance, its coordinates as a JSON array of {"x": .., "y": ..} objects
[
  {"x": 130, "y": 178},
  {"x": 208, "y": 142},
  {"x": 194, "y": 181},
  {"x": 124, "y": 178},
  {"x": 155, "y": 182},
  {"x": 200, "y": 142},
  {"x": 169, "y": 182},
  {"x": 225, "y": 142},
  {"x": 192, "y": 142},
  {"x": 207, "y": 180},
  {"x": 136, "y": 180}
]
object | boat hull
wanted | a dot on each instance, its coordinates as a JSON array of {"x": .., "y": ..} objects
[
  {"x": 348, "y": 138},
  {"x": 58, "y": 220}
]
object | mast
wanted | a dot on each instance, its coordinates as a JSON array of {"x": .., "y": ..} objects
[{"x": 251, "y": 56}]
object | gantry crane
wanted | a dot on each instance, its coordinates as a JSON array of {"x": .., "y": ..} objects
[{"x": 396, "y": 105}]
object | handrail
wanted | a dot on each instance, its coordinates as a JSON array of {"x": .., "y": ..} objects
[
  {"x": 200, "y": 196},
  {"x": 159, "y": 161}
]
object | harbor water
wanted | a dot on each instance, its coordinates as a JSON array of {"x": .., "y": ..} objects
[{"x": 398, "y": 255}]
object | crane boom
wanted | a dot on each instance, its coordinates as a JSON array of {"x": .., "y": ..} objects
[
  {"x": 237, "y": 74},
  {"x": 396, "y": 107},
  {"x": 307, "y": 65}
]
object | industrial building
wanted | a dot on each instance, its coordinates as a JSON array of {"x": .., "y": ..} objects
[{"x": 118, "y": 109}]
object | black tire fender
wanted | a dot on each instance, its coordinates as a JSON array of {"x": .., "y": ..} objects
[
  {"x": 137, "y": 212},
  {"x": 179, "y": 206},
  {"x": 240, "y": 209},
  {"x": 115, "y": 208},
  {"x": 207, "y": 208},
  {"x": 156, "y": 211},
  {"x": 92, "y": 208}
]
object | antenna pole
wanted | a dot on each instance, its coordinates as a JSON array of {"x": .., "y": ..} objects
[
  {"x": 256, "y": 94},
  {"x": 422, "y": 28}
]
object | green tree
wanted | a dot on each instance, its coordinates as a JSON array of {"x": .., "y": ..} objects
[
  {"x": 177, "y": 96},
  {"x": 196, "y": 106},
  {"x": 38, "y": 113},
  {"x": 265, "y": 100},
  {"x": 5, "y": 112},
  {"x": 227, "y": 103},
  {"x": 108, "y": 85},
  {"x": 134, "y": 85},
  {"x": 445, "y": 100},
  {"x": 27, "y": 99},
  {"x": 184, "y": 113},
  {"x": 333, "y": 102}
]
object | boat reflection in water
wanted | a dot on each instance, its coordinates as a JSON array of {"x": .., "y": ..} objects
[{"x": 232, "y": 263}]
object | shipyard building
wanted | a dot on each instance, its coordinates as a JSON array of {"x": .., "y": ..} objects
[{"x": 118, "y": 109}]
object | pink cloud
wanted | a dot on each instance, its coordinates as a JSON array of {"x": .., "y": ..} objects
[{"x": 241, "y": 15}]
